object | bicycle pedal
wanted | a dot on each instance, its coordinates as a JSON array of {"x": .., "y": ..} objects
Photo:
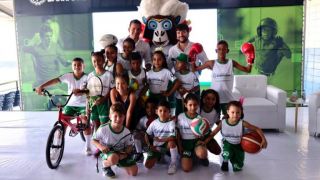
[{"x": 72, "y": 133}]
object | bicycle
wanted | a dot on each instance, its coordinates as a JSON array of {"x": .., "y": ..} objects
[{"x": 56, "y": 138}]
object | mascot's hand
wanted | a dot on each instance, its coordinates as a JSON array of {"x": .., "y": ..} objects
[
  {"x": 248, "y": 50},
  {"x": 195, "y": 49}
]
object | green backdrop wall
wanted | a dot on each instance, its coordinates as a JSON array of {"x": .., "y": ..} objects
[
  {"x": 47, "y": 44},
  {"x": 279, "y": 56},
  {"x": 46, "y": 47}
]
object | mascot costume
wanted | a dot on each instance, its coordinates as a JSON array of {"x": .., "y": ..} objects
[{"x": 160, "y": 18}]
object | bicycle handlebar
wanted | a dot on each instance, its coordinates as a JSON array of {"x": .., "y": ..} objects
[{"x": 47, "y": 93}]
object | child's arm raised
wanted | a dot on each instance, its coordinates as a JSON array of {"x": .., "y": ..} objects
[
  {"x": 208, "y": 64},
  {"x": 264, "y": 142},
  {"x": 241, "y": 67}
]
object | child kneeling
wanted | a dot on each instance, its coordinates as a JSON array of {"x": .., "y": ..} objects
[
  {"x": 113, "y": 141},
  {"x": 163, "y": 131}
]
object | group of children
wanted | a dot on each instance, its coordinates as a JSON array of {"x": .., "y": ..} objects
[{"x": 136, "y": 99}]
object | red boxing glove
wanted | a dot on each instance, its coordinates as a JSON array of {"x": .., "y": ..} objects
[
  {"x": 248, "y": 50},
  {"x": 195, "y": 49}
]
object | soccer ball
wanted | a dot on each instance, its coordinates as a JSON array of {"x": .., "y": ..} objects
[
  {"x": 200, "y": 126},
  {"x": 134, "y": 84}
]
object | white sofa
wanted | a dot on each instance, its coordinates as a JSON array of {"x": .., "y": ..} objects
[
  {"x": 264, "y": 105},
  {"x": 314, "y": 114}
]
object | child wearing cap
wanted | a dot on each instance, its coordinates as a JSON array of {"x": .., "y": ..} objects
[{"x": 189, "y": 81}]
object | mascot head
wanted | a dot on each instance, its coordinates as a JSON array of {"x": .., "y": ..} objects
[{"x": 161, "y": 18}]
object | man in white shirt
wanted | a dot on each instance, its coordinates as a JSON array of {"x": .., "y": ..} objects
[
  {"x": 183, "y": 46},
  {"x": 142, "y": 47}
]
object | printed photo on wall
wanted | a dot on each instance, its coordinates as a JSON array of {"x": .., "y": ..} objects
[
  {"x": 46, "y": 47},
  {"x": 275, "y": 32}
]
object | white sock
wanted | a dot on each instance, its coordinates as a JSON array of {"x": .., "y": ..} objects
[
  {"x": 88, "y": 140},
  {"x": 137, "y": 144},
  {"x": 174, "y": 154}
]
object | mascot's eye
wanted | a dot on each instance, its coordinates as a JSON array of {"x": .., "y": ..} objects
[
  {"x": 166, "y": 25},
  {"x": 152, "y": 24}
]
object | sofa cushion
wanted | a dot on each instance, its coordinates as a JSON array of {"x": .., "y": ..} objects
[{"x": 251, "y": 85}]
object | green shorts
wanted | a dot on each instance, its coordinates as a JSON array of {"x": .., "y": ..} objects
[
  {"x": 126, "y": 162},
  {"x": 188, "y": 146},
  {"x": 99, "y": 112},
  {"x": 74, "y": 110},
  {"x": 157, "y": 154},
  {"x": 234, "y": 153}
]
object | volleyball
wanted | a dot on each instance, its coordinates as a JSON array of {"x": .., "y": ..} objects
[{"x": 200, "y": 126}]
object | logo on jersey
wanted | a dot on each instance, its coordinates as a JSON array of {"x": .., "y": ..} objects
[{"x": 187, "y": 153}]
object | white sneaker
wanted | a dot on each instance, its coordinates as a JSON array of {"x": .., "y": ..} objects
[
  {"x": 172, "y": 168},
  {"x": 88, "y": 151}
]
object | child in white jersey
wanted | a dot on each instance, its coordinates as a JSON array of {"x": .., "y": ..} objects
[
  {"x": 163, "y": 131},
  {"x": 189, "y": 81},
  {"x": 125, "y": 56},
  {"x": 190, "y": 144},
  {"x": 159, "y": 78},
  {"x": 112, "y": 134},
  {"x": 222, "y": 73},
  {"x": 142, "y": 126},
  {"x": 138, "y": 78},
  {"x": 99, "y": 104},
  {"x": 77, "y": 103},
  {"x": 232, "y": 129},
  {"x": 210, "y": 109},
  {"x": 111, "y": 63}
]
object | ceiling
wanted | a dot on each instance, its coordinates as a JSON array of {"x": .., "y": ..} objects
[{"x": 6, "y": 8}]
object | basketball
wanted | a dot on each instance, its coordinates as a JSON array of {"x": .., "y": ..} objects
[
  {"x": 200, "y": 126},
  {"x": 251, "y": 142}
]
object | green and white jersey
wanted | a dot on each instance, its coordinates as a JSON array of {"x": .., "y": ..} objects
[
  {"x": 161, "y": 130},
  {"x": 222, "y": 80},
  {"x": 107, "y": 137},
  {"x": 159, "y": 80},
  {"x": 140, "y": 78},
  {"x": 124, "y": 62},
  {"x": 188, "y": 81},
  {"x": 106, "y": 79},
  {"x": 73, "y": 83},
  {"x": 232, "y": 133},
  {"x": 211, "y": 116},
  {"x": 183, "y": 124}
]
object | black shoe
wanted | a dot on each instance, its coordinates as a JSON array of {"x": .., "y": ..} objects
[
  {"x": 138, "y": 157},
  {"x": 107, "y": 171},
  {"x": 204, "y": 162},
  {"x": 224, "y": 166}
]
